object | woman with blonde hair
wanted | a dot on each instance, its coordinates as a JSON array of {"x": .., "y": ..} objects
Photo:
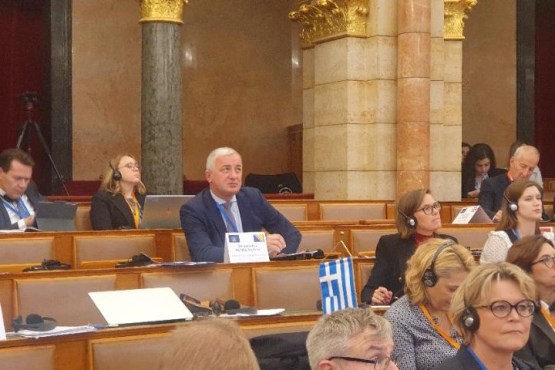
[
  {"x": 423, "y": 332},
  {"x": 119, "y": 202},
  {"x": 492, "y": 310}
]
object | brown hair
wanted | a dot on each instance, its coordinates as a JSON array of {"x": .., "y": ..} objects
[
  {"x": 111, "y": 185},
  {"x": 9, "y": 155},
  {"x": 513, "y": 193},
  {"x": 524, "y": 251},
  {"x": 406, "y": 207},
  {"x": 208, "y": 344}
]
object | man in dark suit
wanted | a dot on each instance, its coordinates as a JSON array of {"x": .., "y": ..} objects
[
  {"x": 19, "y": 195},
  {"x": 225, "y": 206},
  {"x": 521, "y": 167}
]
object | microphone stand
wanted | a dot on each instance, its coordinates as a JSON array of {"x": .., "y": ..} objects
[{"x": 29, "y": 99}]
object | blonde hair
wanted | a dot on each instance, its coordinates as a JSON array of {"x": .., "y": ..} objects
[
  {"x": 332, "y": 334},
  {"x": 208, "y": 344},
  {"x": 476, "y": 290},
  {"x": 452, "y": 258},
  {"x": 109, "y": 184}
]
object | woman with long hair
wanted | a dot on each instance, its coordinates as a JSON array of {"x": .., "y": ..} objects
[
  {"x": 478, "y": 165},
  {"x": 119, "y": 202}
]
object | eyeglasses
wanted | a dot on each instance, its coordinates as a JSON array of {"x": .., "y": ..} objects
[
  {"x": 428, "y": 209},
  {"x": 379, "y": 364},
  {"x": 549, "y": 261},
  {"x": 501, "y": 309},
  {"x": 131, "y": 166}
]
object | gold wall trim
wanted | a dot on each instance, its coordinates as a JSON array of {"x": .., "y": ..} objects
[
  {"x": 455, "y": 13},
  {"x": 162, "y": 11},
  {"x": 323, "y": 20}
]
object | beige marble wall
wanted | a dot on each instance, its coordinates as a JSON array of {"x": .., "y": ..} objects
[
  {"x": 241, "y": 82},
  {"x": 489, "y": 76}
]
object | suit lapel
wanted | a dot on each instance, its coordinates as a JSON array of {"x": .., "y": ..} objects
[
  {"x": 542, "y": 324},
  {"x": 123, "y": 207},
  {"x": 214, "y": 215}
]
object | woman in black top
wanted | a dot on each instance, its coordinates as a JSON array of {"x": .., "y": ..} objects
[{"x": 478, "y": 165}]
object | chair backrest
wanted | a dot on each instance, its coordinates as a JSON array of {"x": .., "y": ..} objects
[
  {"x": 363, "y": 272},
  {"x": 548, "y": 208},
  {"x": 181, "y": 248},
  {"x": 366, "y": 240},
  {"x": 473, "y": 237},
  {"x": 317, "y": 239},
  {"x": 141, "y": 352},
  {"x": 202, "y": 285},
  {"x": 278, "y": 183},
  {"x": 64, "y": 299},
  {"x": 293, "y": 212},
  {"x": 26, "y": 250},
  {"x": 83, "y": 218},
  {"x": 28, "y": 358},
  {"x": 110, "y": 248},
  {"x": 352, "y": 211},
  {"x": 292, "y": 288}
]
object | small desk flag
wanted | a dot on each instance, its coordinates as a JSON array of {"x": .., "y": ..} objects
[{"x": 338, "y": 285}]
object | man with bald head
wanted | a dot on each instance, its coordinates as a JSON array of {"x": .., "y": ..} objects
[{"x": 521, "y": 166}]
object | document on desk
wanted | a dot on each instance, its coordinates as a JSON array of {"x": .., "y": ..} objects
[
  {"x": 58, "y": 330},
  {"x": 267, "y": 312}
]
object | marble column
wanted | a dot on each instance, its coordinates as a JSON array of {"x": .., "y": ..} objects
[
  {"x": 161, "y": 123},
  {"x": 413, "y": 94}
]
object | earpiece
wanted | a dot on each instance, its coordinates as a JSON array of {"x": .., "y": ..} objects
[
  {"x": 411, "y": 222},
  {"x": 430, "y": 277},
  {"x": 34, "y": 322},
  {"x": 117, "y": 174},
  {"x": 470, "y": 319},
  {"x": 513, "y": 206}
]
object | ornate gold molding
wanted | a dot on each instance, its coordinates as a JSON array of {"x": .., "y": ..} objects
[
  {"x": 323, "y": 20},
  {"x": 455, "y": 14},
  {"x": 162, "y": 11}
]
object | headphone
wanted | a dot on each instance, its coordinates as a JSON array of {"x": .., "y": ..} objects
[
  {"x": 430, "y": 277},
  {"x": 34, "y": 322},
  {"x": 117, "y": 174},
  {"x": 411, "y": 222},
  {"x": 513, "y": 206},
  {"x": 470, "y": 319}
]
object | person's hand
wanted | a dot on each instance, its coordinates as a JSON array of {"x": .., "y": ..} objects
[
  {"x": 474, "y": 193},
  {"x": 275, "y": 243},
  {"x": 29, "y": 221},
  {"x": 382, "y": 296},
  {"x": 497, "y": 216}
]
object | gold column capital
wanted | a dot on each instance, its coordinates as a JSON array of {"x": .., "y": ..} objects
[
  {"x": 162, "y": 11},
  {"x": 323, "y": 20},
  {"x": 455, "y": 13}
]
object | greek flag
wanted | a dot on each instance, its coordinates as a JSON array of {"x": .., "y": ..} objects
[{"x": 338, "y": 285}]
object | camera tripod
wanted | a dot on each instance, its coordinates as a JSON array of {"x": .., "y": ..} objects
[{"x": 29, "y": 100}]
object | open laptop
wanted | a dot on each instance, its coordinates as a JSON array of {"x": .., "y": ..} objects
[
  {"x": 140, "y": 306},
  {"x": 162, "y": 211},
  {"x": 55, "y": 216}
]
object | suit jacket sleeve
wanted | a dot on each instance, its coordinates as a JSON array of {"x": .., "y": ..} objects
[
  {"x": 101, "y": 218},
  {"x": 486, "y": 199},
  {"x": 34, "y": 197},
  {"x": 382, "y": 271}
]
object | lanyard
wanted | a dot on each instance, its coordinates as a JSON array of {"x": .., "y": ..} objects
[
  {"x": 135, "y": 210},
  {"x": 21, "y": 210},
  {"x": 228, "y": 220},
  {"x": 480, "y": 363},
  {"x": 436, "y": 327},
  {"x": 548, "y": 317}
]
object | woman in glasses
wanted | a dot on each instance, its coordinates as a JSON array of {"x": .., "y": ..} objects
[
  {"x": 492, "y": 310},
  {"x": 521, "y": 213},
  {"x": 423, "y": 332},
  {"x": 418, "y": 219},
  {"x": 536, "y": 255},
  {"x": 118, "y": 204}
]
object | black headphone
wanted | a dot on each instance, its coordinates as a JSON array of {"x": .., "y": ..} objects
[
  {"x": 117, "y": 174},
  {"x": 513, "y": 206},
  {"x": 470, "y": 319},
  {"x": 430, "y": 277},
  {"x": 34, "y": 322},
  {"x": 411, "y": 222}
]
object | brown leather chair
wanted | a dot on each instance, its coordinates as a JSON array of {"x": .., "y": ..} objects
[
  {"x": 473, "y": 237},
  {"x": 92, "y": 249},
  {"x": 181, "y": 248},
  {"x": 16, "y": 254},
  {"x": 28, "y": 358},
  {"x": 293, "y": 212},
  {"x": 364, "y": 242},
  {"x": 352, "y": 211},
  {"x": 317, "y": 239},
  {"x": 202, "y": 285},
  {"x": 64, "y": 299},
  {"x": 141, "y": 352},
  {"x": 292, "y": 288},
  {"x": 83, "y": 218}
]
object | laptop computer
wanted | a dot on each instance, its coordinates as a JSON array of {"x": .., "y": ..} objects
[
  {"x": 55, "y": 216},
  {"x": 162, "y": 211},
  {"x": 140, "y": 306}
]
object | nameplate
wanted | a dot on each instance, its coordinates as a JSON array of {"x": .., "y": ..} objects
[
  {"x": 472, "y": 215},
  {"x": 246, "y": 247},
  {"x": 547, "y": 232}
]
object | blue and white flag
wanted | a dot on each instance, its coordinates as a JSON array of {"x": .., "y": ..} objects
[{"x": 338, "y": 285}]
